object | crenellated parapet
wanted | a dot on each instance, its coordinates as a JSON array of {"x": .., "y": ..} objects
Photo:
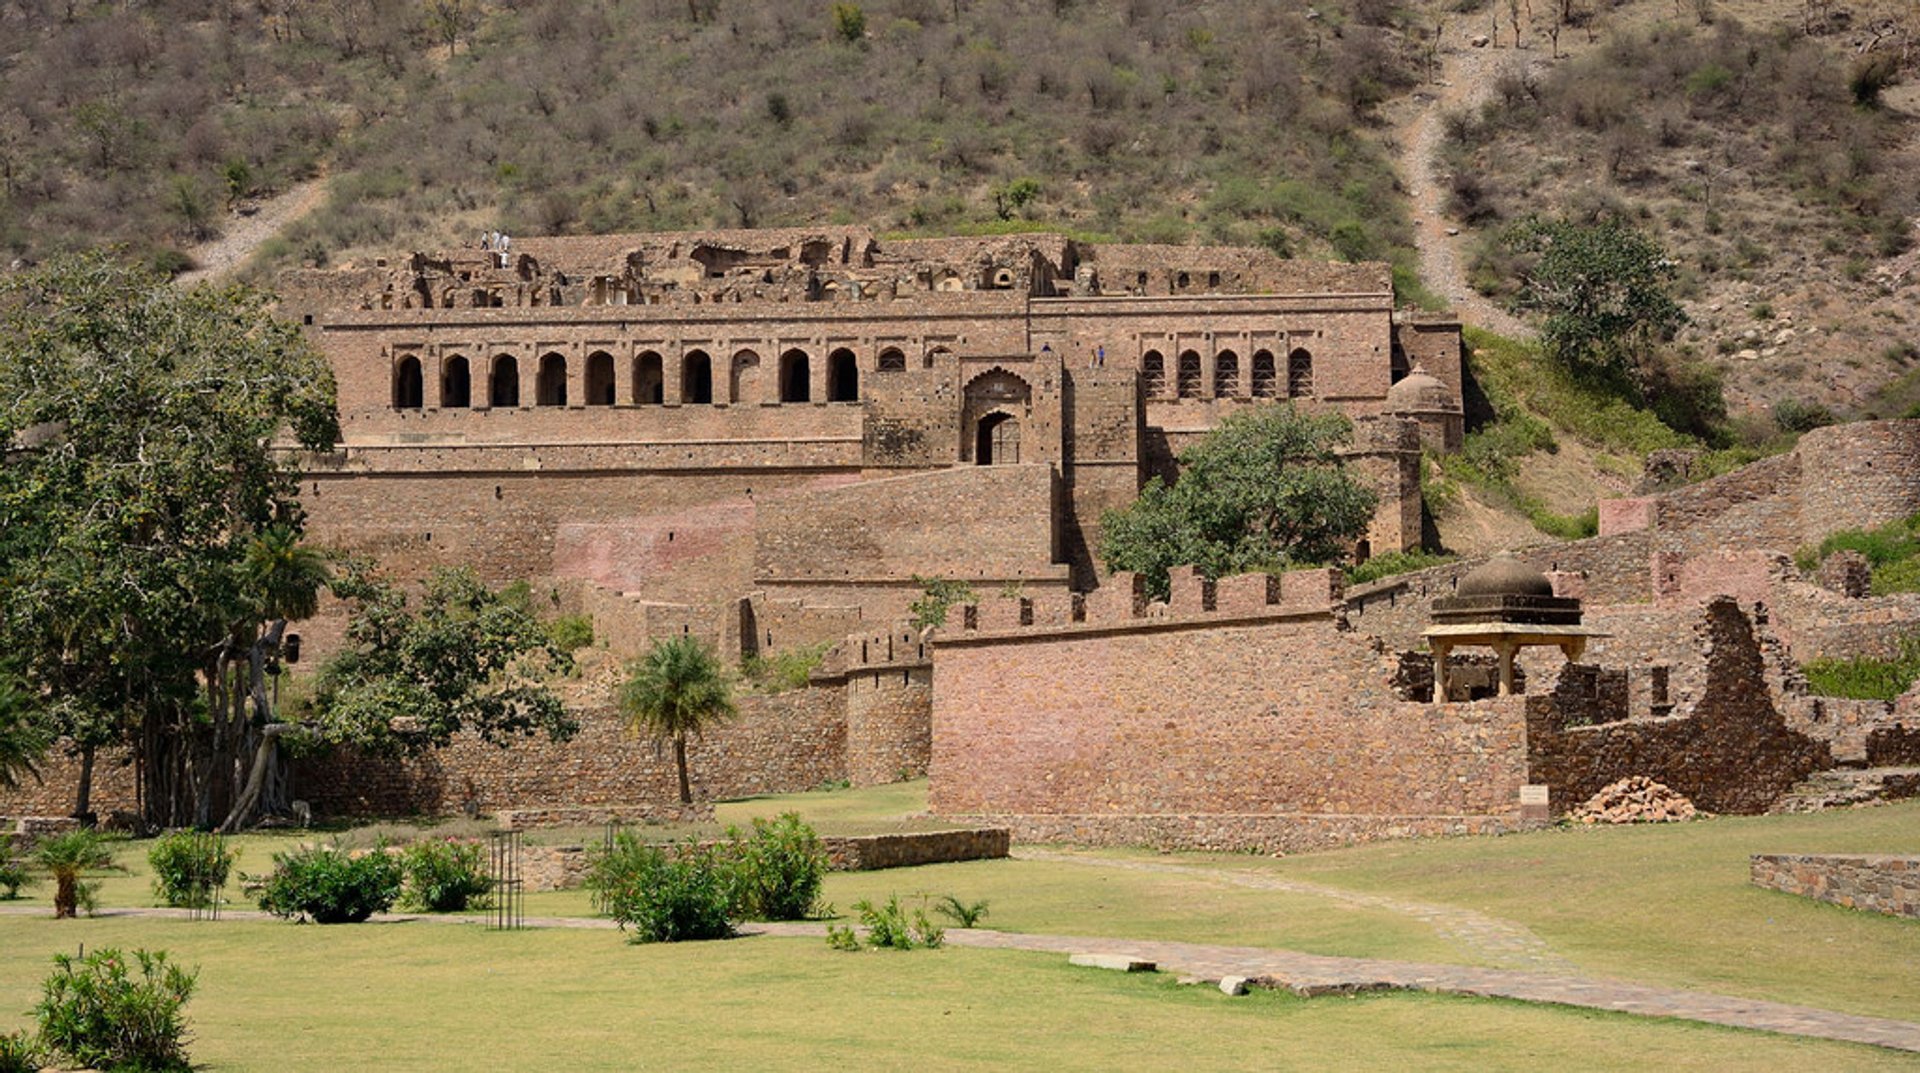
[{"x": 1121, "y": 603}]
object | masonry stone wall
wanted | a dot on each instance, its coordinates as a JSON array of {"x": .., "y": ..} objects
[
  {"x": 1291, "y": 723},
  {"x": 1880, "y": 884},
  {"x": 1730, "y": 749},
  {"x": 889, "y": 729},
  {"x": 781, "y": 743}
]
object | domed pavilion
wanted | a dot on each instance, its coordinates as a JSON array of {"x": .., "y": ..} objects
[{"x": 1505, "y": 605}]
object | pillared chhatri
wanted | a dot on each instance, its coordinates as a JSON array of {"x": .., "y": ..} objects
[{"x": 821, "y": 415}]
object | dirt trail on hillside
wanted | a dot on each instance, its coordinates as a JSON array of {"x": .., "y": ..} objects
[
  {"x": 1465, "y": 80},
  {"x": 245, "y": 234}
]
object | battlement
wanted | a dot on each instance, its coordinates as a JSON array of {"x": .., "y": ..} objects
[{"x": 1120, "y": 603}]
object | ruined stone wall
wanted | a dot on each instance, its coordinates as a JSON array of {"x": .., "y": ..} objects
[
  {"x": 1858, "y": 476},
  {"x": 1880, "y": 884},
  {"x": 1730, "y": 749},
  {"x": 781, "y": 743},
  {"x": 53, "y": 793}
]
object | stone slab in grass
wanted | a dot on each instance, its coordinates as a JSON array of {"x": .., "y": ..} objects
[{"x": 1114, "y": 962}]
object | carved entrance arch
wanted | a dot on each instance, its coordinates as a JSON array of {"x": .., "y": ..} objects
[{"x": 995, "y": 403}]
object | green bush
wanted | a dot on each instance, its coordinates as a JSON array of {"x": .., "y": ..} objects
[
  {"x": 1866, "y": 679},
  {"x": 965, "y": 914},
  {"x": 571, "y": 633},
  {"x": 776, "y": 873},
  {"x": 663, "y": 897},
  {"x": 189, "y": 868},
  {"x": 784, "y": 670},
  {"x": 446, "y": 876},
  {"x": 1393, "y": 563},
  {"x": 13, "y": 871},
  {"x": 329, "y": 886},
  {"x": 116, "y": 1012},
  {"x": 19, "y": 1053},
  {"x": 888, "y": 927}
]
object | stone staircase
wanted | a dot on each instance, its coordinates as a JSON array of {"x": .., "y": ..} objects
[{"x": 1846, "y": 786}]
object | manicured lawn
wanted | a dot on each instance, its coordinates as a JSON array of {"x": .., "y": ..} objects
[
  {"x": 1665, "y": 903},
  {"x": 287, "y": 998},
  {"x": 1656, "y": 904}
]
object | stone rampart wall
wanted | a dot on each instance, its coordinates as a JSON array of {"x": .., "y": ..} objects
[
  {"x": 889, "y": 723},
  {"x": 1880, "y": 884},
  {"x": 781, "y": 743}
]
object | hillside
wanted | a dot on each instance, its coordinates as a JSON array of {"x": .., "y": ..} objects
[{"x": 1767, "y": 145}]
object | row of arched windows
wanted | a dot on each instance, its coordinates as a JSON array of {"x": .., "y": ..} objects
[
  {"x": 700, "y": 382},
  {"x": 1264, "y": 383}
]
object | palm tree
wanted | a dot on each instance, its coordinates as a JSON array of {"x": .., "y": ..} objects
[
  {"x": 65, "y": 857},
  {"x": 676, "y": 689},
  {"x": 284, "y": 575}
]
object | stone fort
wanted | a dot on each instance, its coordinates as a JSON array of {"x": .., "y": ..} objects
[
  {"x": 820, "y": 415},
  {"x": 767, "y": 438}
]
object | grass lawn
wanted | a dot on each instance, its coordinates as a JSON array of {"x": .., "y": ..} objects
[
  {"x": 288, "y": 997},
  {"x": 1658, "y": 904},
  {"x": 1667, "y": 903}
]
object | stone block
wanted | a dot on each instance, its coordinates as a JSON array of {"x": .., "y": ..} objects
[
  {"x": 1233, "y": 985},
  {"x": 1119, "y": 598},
  {"x": 1243, "y": 594},
  {"x": 1316, "y": 588},
  {"x": 1191, "y": 592},
  {"x": 1005, "y": 613},
  {"x": 1625, "y": 515},
  {"x": 1114, "y": 962}
]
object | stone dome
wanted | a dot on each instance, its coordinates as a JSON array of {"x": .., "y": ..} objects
[
  {"x": 1420, "y": 392},
  {"x": 1504, "y": 575}
]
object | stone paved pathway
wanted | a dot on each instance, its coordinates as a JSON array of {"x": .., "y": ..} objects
[
  {"x": 1501, "y": 942},
  {"x": 1313, "y": 974}
]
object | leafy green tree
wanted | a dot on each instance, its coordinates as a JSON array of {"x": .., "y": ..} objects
[
  {"x": 141, "y": 426},
  {"x": 850, "y": 22},
  {"x": 676, "y": 690},
  {"x": 1264, "y": 490},
  {"x": 466, "y": 659},
  {"x": 1604, "y": 289},
  {"x": 24, "y": 735}
]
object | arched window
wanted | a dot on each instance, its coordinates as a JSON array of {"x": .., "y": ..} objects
[
  {"x": 937, "y": 354},
  {"x": 649, "y": 379},
  {"x": 504, "y": 386},
  {"x": 843, "y": 376},
  {"x": 1265, "y": 383},
  {"x": 893, "y": 360},
  {"x": 998, "y": 442},
  {"x": 456, "y": 384},
  {"x": 1153, "y": 374},
  {"x": 1226, "y": 374},
  {"x": 408, "y": 393},
  {"x": 795, "y": 377},
  {"x": 745, "y": 386},
  {"x": 1188, "y": 384},
  {"x": 696, "y": 377},
  {"x": 600, "y": 379},
  {"x": 1299, "y": 375},
  {"x": 551, "y": 388}
]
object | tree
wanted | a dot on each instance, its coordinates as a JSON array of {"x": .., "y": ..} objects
[
  {"x": 1265, "y": 490},
  {"x": 143, "y": 428},
  {"x": 1603, "y": 288},
  {"x": 677, "y": 689},
  {"x": 65, "y": 857},
  {"x": 23, "y": 732},
  {"x": 467, "y": 659}
]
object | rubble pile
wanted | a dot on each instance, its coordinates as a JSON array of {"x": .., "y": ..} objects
[{"x": 1636, "y": 799}]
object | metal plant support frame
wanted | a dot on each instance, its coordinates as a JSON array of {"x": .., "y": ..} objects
[
  {"x": 204, "y": 894},
  {"x": 509, "y": 888}
]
